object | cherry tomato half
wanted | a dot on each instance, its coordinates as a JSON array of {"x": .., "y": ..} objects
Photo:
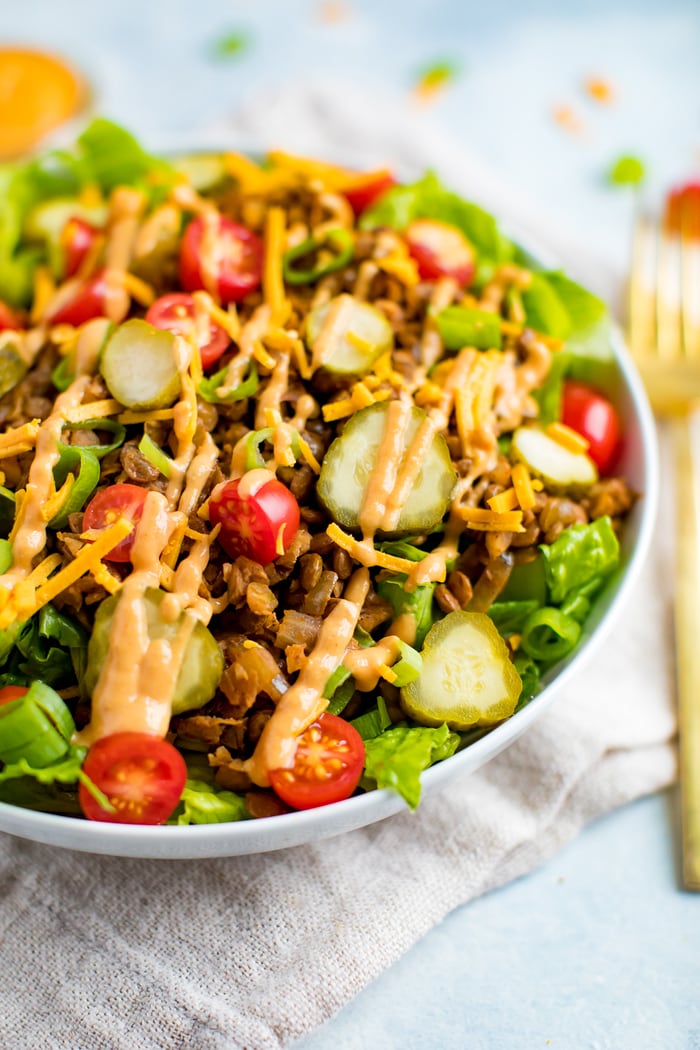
[
  {"x": 440, "y": 251},
  {"x": 116, "y": 501},
  {"x": 367, "y": 191},
  {"x": 77, "y": 238},
  {"x": 232, "y": 259},
  {"x": 8, "y": 318},
  {"x": 176, "y": 313},
  {"x": 328, "y": 765},
  {"x": 88, "y": 301},
  {"x": 590, "y": 414},
  {"x": 259, "y": 524},
  {"x": 8, "y": 693},
  {"x": 141, "y": 775}
]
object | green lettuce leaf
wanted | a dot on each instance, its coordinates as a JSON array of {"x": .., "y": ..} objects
[
  {"x": 581, "y": 553},
  {"x": 48, "y": 646},
  {"x": 398, "y": 756},
  {"x": 419, "y": 603},
  {"x": 202, "y": 803},
  {"x": 429, "y": 199},
  {"x": 52, "y": 789}
]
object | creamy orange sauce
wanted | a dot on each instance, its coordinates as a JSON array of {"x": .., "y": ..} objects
[
  {"x": 126, "y": 207},
  {"x": 270, "y": 399},
  {"x": 251, "y": 333},
  {"x": 184, "y": 421},
  {"x": 29, "y": 531},
  {"x": 87, "y": 348},
  {"x": 383, "y": 477},
  {"x": 335, "y": 320},
  {"x": 137, "y": 681},
  {"x": 431, "y": 346},
  {"x": 164, "y": 223},
  {"x": 303, "y": 702},
  {"x": 408, "y": 474},
  {"x": 199, "y": 471}
]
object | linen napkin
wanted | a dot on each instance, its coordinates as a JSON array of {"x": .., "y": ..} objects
[{"x": 252, "y": 952}]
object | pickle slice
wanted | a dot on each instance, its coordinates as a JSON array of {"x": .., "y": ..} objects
[
  {"x": 355, "y": 339},
  {"x": 350, "y": 460},
  {"x": 139, "y": 366},
  {"x": 560, "y": 469},
  {"x": 202, "y": 665},
  {"x": 467, "y": 678},
  {"x": 13, "y": 367}
]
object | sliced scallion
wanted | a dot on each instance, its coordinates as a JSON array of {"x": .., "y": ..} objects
[
  {"x": 155, "y": 456},
  {"x": 339, "y": 241},
  {"x": 208, "y": 387}
]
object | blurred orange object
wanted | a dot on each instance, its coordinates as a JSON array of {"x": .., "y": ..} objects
[{"x": 38, "y": 92}]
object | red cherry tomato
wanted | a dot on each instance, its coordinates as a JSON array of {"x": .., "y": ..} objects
[
  {"x": 590, "y": 414},
  {"x": 8, "y": 693},
  {"x": 141, "y": 775},
  {"x": 116, "y": 501},
  {"x": 682, "y": 212},
  {"x": 8, "y": 318},
  {"x": 89, "y": 300},
  {"x": 440, "y": 251},
  {"x": 176, "y": 313},
  {"x": 327, "y": 767},
  {"x": 368, "y": 191},
  {"x": 77, "y": 238},
  {"x": 260, "y": 524},
  {"x": 232, "y": 259}
]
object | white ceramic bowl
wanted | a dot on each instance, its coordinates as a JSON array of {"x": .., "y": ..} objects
[{"x": 639, "y": 465}]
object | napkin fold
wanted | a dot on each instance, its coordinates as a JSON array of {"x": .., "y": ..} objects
[{"x": 253, "y": 952}]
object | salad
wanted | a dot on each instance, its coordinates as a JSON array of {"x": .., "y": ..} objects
[{"x": 306, "y": 480}]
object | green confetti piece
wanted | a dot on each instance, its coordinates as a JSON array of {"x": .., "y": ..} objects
[
  {"x": 231, "y": 45},
  {"x": 626, "y": 171}
]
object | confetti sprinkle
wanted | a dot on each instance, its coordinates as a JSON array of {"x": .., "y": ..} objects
[
  {"x": 626, "y": 171},
  {"x": 434, "y": 79},
  {"x": 333, "y": 11},
  {"x": 567, "y": 118},
  {"x": 230, "y": 45},
  {"x": 599, "y": 90}
]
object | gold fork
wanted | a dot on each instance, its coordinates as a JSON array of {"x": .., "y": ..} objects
[{"x": 664, "y": 337}]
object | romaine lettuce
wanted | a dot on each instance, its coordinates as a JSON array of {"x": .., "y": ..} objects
[
  {"x": 581, "y": 553},
  {"x": 398, "y": 756}
]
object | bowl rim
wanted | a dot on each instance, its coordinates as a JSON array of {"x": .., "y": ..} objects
[{"x": 284, "y": 831}]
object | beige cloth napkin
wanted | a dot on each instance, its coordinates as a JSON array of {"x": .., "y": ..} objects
[{"x": 106, "y": 954}]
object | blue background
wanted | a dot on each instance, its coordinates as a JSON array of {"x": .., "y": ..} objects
[{"x": 599, "y": 949}]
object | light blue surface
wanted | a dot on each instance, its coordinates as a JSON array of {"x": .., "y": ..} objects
[{"x": 598, "y": 949}]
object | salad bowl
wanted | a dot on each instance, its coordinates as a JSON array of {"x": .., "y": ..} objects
[{"x": 616, "y": 377}]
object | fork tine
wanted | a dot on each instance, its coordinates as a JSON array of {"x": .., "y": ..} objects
[
  {"x": 690, "y": 271},
  {"x": 669, "y": 332},
  {"x": 642, "y": 282}
]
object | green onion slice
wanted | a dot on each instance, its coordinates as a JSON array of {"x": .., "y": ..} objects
[
  {"x": 548, "y": 634},
  {"x": 208, "y": 387},
  {"x": 155, "y": 456},
  {"x": 85, "y": 467},
  {"x": 338, "y": 241}
]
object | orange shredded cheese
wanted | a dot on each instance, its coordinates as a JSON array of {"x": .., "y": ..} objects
[
  {"x": 491, "y": 521},
  {"x": 273, "y": 281},
  {"x": 95, "y": 410},
  {"x": 226, "y": 319},
  {"x": 537, "y": 485},
  {"x": 261, "y": 356},
  {"x": 56, "y": 500},
  {"x": 44, "y": 291},
  {"x": 24, "y": 435},
  {"x": 139, "y": 290},
  {"x": 504, "y": 501},
  {"x": 567, "y": 438},
  {"x": 399, "y": 264},
  {"x": 308, "y": 455},
  {"x": 367, "y": 555},
  {"x": 144, "y": 417},
  {"x": 524, "y": 490},
  {"x": 279, "y": 542},
  {"x": 514, "y": 642},
  {"x": 44, "y": 569}
]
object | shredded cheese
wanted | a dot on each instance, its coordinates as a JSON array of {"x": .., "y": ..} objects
[
  {"x": 153, "y": 416},
  {"x": 57, "y": 498},
  {"x": 308, "y": 455},
  {"x": 139, "y": 290},
  {"x": 491, "y": 521},
  {"x": 86, "y": 560},
  {"x": 279, "y": 542},
  {"x": 273, "y": 281},
  {"x": 524, "y": 490},
  {"x": 360, "y": 397},
  {"x": 504, "y": 501},
  {"x": 367, "y": 555},
  {"x": 567, "y": 438},
  {"x": 94, "y": 410},
  {"x": 44, "y": 291}
]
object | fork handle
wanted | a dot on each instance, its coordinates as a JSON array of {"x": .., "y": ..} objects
[{"x": 687, "y": 610}]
